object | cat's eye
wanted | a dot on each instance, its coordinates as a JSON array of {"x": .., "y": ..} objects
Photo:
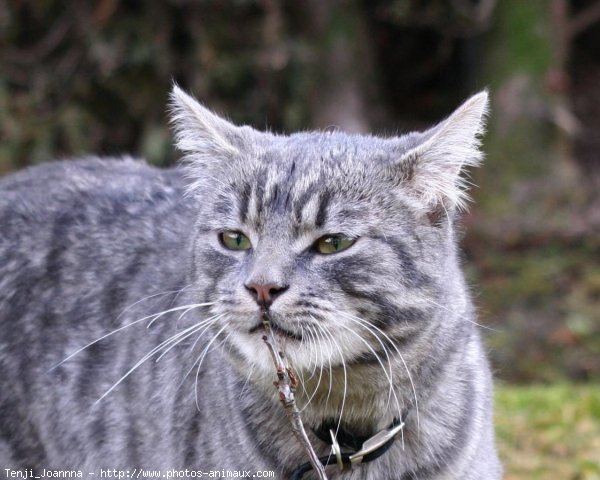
[
  {"x": 333, "y": 243},
  {"x": 235, "y": 240}
]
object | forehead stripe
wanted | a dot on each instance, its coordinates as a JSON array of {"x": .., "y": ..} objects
[
  {"x": 301, "y": 202},
  {"x": 323, "y": 206},
  {"x": 244, "y": 201},
  {"x": 261, "y": 181}
]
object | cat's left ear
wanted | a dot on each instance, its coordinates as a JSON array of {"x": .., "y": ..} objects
[
  {"x": 431, "y": 168},
  {"x": 203, "y": 136}
]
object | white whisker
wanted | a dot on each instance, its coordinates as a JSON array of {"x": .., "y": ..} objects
[
  {"x": 412, "y": 384},
  {"x": 320, "y": 374},
  {"x": 174, "y": 309},
  {"x": 300, "y": 372},
  {"x": 167, "y": 292},
  {"x": 205, "y": 325},
  {"x": 325, "y": 332},
  {"x": 313, "y": 342},
  {"x": 365, "y": 324},
  {"x": 320, "y": 330},
  {"x": 175, "y": 338},
  {"x": 387, "y": 375},
  {"x": 218, "y": 317},
  {"x": 461, "y": 316},
  {"x": 153, "y": 316},
  {"x": 245, "y": 386},
  {"x": 201, "y": 359}
]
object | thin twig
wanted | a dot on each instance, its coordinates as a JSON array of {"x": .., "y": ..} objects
[{"x": 286, "y": 384}]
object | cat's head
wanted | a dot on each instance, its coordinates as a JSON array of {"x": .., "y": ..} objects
[{"x": 346, "y": 239}]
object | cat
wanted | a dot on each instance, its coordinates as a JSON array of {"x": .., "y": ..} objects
[{"x": 131, "y": 301}]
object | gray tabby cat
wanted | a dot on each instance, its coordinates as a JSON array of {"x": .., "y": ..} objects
[{"x": 348, "y": 241}]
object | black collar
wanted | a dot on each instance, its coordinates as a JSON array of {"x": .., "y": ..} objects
[
  {"x": 348, "y": 439},
  {"x": 352, "y": 443}
]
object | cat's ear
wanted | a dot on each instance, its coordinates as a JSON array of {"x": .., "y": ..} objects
[
  {"x": 201, "y": 134},
  {"x": 432, "y": 167}
]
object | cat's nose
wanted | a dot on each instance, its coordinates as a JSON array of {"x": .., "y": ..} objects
[{"x": 265, "y": 293}]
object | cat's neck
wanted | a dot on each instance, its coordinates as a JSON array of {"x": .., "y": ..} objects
[
  {"x": 363, "y": 405},
  {"x": 359, "y": 400}
]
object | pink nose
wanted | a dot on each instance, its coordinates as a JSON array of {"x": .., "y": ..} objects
[{"x": 265, "y": 293}]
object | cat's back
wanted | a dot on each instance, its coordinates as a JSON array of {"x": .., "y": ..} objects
[
  {"x": 73, "y": 229},
  {"x": 93, "y": 189}
]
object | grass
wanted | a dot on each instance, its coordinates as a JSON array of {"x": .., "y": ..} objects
[{"x": 549, "y": 432}]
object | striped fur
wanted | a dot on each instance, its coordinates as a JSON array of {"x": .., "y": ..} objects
[{"x": 96, "y": 246}]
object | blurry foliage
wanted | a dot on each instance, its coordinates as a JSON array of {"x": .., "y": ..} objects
[
  {"x": 93, "y": 77},
  {"x": 544, "y": 301},
  {"x": 82, "y": 77},
  {"x": 549, "y": 432},
  {"x": 533, "y": 236}
]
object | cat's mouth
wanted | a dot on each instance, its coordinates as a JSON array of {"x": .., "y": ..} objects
[{"x": 277, "y": 329}]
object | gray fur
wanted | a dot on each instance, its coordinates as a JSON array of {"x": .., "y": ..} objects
[{"x": 90, "y": 246}]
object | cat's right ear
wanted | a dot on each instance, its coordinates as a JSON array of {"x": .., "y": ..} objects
[{"x": 202, "y": 135}]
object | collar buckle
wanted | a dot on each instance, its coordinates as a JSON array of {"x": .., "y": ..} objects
[
  {"x": 336, "y": 450},
  {"x": 376, "y": 442}
]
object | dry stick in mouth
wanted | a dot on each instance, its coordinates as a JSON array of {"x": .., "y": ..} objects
[{"x": 286, "y": 385}]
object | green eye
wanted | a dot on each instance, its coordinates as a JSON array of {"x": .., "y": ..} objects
[
  {"x": 333, "y": 243},
  {"x": 235, "y": 240}
]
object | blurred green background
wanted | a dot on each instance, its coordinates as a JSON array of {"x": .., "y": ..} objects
[{"x": 92, "y": 77}]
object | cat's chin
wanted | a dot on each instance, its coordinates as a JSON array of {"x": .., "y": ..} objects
[
  {"x": 251, "y": 349},
  {"x": 279, "y": 331}
]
